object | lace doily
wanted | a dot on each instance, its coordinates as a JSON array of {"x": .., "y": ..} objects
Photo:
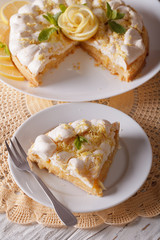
[{"x": 142, "y": 104}]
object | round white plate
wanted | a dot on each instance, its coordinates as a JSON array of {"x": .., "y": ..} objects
[
  {"x": 90, "y": 82},
  {"x": 126, "y": 175}
]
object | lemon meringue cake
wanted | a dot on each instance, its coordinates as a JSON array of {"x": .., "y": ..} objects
[
  {"x": 80, "y": 152},
  {"x": 83, "y": 23}
]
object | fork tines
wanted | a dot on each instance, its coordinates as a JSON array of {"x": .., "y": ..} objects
[{"x": 18, "y": 155}]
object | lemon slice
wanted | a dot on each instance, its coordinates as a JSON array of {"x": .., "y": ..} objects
[
  {"x": 3, "y": 55},
  {"x": 78, "y": 23},
  {"x": 4, "y": 38},
  {"x": 11, "y": 73},
  {"x": 4, "y": 33},
  {"x": 4, "y": 28},
  {"x": 10, "y": 8},
  {"x": 7, "y": 63}
]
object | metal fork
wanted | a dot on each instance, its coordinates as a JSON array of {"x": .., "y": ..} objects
[{"x": 19, "y": 159}]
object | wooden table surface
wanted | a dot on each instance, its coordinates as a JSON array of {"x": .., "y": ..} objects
[{"x": 139, "y": 229}]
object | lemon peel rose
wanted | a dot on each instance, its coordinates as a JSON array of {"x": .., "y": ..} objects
[{"x": 78, "y": 22}]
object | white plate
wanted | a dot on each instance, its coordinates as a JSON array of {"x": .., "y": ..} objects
[
  {"x": 126, "y": 175},
  {"x": 90, "y": 82}
]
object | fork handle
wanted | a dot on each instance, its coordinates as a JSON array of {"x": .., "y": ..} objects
[{"x": 64, "y": 214}]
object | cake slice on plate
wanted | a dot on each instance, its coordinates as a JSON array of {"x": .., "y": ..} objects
[{"x": 80, "y": 152}]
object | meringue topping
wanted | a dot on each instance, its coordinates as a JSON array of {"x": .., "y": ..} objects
[{"x": 44, "y": 147}]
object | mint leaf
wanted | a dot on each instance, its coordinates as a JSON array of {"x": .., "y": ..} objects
[
  {"x": 120, "y": 15},
  {"x": 47, "y": 18},
  {"x": 46, "y": 33},
  {"x": 62, "y": 7},
  {"x": 7, "y": 50},
  {"x": 82, "y": 139},
  {"x": 51, "y": 19},
  {"x": 56, "y": 16},
  {"x": 109, "y": 11},
  {"x": 114, "y": 14},
  {"x": 115, "y": 27},
  {"x": 2, "y": 45},
  {"x": 78, "y": 141}
]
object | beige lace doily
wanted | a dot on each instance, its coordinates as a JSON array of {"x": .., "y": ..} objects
[{"x": 142, "y": 104}]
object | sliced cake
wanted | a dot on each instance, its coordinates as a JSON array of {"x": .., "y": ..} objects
[
  {"x": 44, "y": 32},
  {"x": 80, "y": 152}
]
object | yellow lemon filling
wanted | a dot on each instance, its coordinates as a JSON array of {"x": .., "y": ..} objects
[{"x": 78, "y": 22}]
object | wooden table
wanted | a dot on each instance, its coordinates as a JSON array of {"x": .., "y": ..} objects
[{"x": 139, "y": 229}]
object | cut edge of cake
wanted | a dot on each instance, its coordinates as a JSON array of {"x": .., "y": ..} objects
[
  {"x": 132, "y": 70},
  {"x": 36, "y": 80}
]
